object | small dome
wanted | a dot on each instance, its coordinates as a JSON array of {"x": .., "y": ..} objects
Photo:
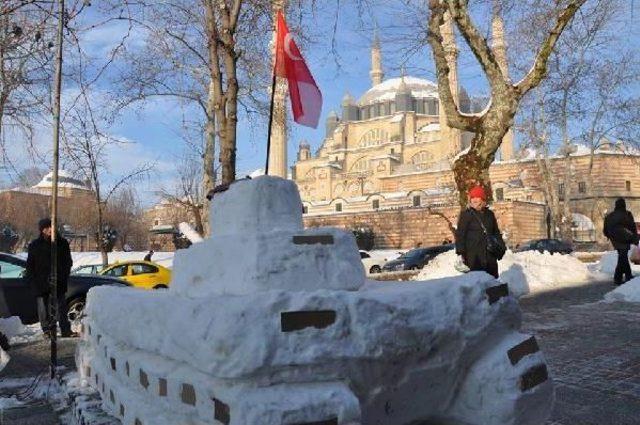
[
  {"x": 304, "y": 145},
  {"x": 333, "y": 114},
  {"x": 348, "y": 99},
  {"x": 387, "y": 90}
]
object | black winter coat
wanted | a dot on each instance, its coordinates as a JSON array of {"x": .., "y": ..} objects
[
  {"x": 614, "y": 224},
  {"x": 39, "y": 265},
  {"x": 471, "y": 242}
]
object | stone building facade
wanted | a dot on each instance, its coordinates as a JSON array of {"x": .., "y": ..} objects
[{"x": 386, "y": 162}]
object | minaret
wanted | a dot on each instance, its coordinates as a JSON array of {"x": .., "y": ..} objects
[
  {"x": 451, "y": 135},
  {"x": 376, "y": 73},
  {"x": 499, "y": 46},
  {"x": 278, "y": 150}
]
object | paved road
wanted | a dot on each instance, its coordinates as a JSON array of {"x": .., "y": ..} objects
[{"x": 593, "y": 351}]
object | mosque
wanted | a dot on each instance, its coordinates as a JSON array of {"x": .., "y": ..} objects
[{"x": 385, "y": 163}]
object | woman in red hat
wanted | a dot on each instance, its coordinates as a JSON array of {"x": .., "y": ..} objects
[{"x": 477, "y": 230}]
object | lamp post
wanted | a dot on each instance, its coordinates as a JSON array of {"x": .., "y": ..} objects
[{"x": 53, "y": 281}]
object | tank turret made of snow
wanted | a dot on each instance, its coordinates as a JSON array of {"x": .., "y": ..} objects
[{"x": 267, "y": 323}]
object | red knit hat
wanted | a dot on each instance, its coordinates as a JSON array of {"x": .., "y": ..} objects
[{"x": 477, "y": 192}]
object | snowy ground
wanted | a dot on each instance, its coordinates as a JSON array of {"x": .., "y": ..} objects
[
  {"x": 18, "y": 333},
  {"x": 526, "y": 272}
]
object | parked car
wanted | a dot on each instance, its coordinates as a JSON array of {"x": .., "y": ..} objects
[
  {"x": 371, "y": 265},
  {"x": 141, "y": 274},
  {"x": 18, "y": 297},
  {"x": 88, "y": 269},
  {"x": 553, "y": 246},
  {"x": 416, "y": 258}
]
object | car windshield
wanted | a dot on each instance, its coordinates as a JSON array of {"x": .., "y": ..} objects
[{"x": 10, "y": 270}]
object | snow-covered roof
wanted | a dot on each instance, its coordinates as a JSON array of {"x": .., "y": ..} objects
[
  {"x": 65, "y": 179},
  {"x": 419, "y": 88},
  {"x": 434, "y": 126}
]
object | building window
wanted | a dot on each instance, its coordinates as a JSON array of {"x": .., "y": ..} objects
[
  {"x": 393, "y": 151},
  {"x": 375, "y": 204},
  {"x": 582, "y": 187},
  {"x": 500, "y": 194},
  {"x": 393, "y": 107},
  {"x": 156, "y": 222},
  {"x": 305, "y": 209},
  {"x": 561, "y": 191},
  {"x": 339, "y": 207},
  {"x": 416, "y": 201},
  {"x": 627, "y": 185}
]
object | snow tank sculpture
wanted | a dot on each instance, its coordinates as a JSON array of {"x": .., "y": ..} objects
[{"x": 268, "y": 323}]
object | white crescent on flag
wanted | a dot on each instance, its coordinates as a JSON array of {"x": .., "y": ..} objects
[{"x": 288, "y": 39}]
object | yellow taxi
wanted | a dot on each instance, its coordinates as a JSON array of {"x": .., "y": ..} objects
[{"x": 141, "y": 274}]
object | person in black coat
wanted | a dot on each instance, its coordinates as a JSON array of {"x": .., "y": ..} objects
[
  {"x": 38, "y": 275},
  {"x": 471, "y": 241},
  {"x": 620, "y": 228}
]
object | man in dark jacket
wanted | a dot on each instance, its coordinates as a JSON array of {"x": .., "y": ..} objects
[
  {"x": 471, "y": 240},
  {"x": 38, "y": 276},
  {"x": 620, "y": 228}
]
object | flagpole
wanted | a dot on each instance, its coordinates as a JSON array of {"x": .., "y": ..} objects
[{"x": 273, "y": 94}]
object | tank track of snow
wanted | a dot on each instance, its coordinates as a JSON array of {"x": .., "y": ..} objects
[{"x": 321, "y": 347}]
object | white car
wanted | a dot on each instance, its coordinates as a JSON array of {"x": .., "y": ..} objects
[{"x": 371, "y": 265}]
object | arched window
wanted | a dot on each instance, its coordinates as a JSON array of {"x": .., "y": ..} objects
[
  {"x": 373, "y": 138},
  {"x": 422, "y": 160},
  {"x": 360, "y": 165}
]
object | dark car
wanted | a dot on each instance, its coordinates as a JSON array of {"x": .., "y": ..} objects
[
  {"x": 553, "y": 246},
  {"x": 16, "y": 298},
  {"x": 416, "y": 258}
]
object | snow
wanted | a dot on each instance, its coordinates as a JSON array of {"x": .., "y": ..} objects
[
  {"x": 628, "y": 292},
  {"x": 525, "y": 272},
  {"x": 189, "y": 232},
  {"x": 420, "y": 88},
  {"x": 607, "y": 263},
  {"x": 397, "y": 118},
  {"x": 429, "y": 127},
  {"x": 239, "y": 331},
  {"x": 164, "y": 258},
  {"x": 18, "y": 333}
]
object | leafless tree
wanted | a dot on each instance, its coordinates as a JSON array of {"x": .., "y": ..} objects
[
  {"x": 588, "y": 98},
  {"x": 187, "y": 191},
  {"x": 489, "y": 126}
]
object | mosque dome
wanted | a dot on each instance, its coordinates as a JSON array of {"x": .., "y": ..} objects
[
  {"x": 387, "y": 90},
  {"x": 65, "y": 179}
]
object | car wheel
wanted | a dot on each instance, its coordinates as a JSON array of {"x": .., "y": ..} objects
[
  {"x": 375, "y": 269},
  {"x": 160, "y": 286},
  {"x": 75, "y": 312}
]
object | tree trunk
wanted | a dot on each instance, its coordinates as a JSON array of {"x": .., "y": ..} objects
[{"x": 209, "y": 174}]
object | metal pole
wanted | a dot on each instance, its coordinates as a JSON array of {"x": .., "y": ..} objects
[
  {"x": 53, "y": 297},
  {"x": 273, "y": 92}
]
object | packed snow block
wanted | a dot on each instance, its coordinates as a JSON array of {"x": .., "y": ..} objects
[
  {"x": 301, "y": 260},
  {"x": 263, "y": 204},
  {"x": 509, "y": 385}
]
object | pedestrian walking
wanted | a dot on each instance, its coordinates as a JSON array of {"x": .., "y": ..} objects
[
  {"x": 620, "y": 229},
  {"x": 148, "y": 256},
  {"x": 478, "y": 238},
  {"x": 38, "y": 275}
]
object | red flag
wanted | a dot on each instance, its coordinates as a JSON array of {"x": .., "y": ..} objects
[{"x": 306, "y": 99}]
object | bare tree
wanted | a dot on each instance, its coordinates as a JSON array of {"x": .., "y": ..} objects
[
  {"x": 187, "y": 192},
  {"x": 588, "y": 98},
  {"x": 490, "y": 125},
  {"x": 125, "y": 214}
]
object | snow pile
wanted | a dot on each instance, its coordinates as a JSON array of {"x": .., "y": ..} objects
[
  {"x": 525, "y": 272},
  {"x": 607, "y": 263},
  {"x": 271, "y": 324},
  {"x": 628, "y": 292},
  {"x": 18, "y": 333}
]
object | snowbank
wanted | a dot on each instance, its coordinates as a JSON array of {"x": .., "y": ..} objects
[
  {"x": 525, "y": 272},
  {"x": 18, "y": 333},
  {"x": 607, "y": 263},
  {"x": 628, "y": 292}
]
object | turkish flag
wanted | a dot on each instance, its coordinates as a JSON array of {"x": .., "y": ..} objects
[{"x": 306, "y": 99}]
